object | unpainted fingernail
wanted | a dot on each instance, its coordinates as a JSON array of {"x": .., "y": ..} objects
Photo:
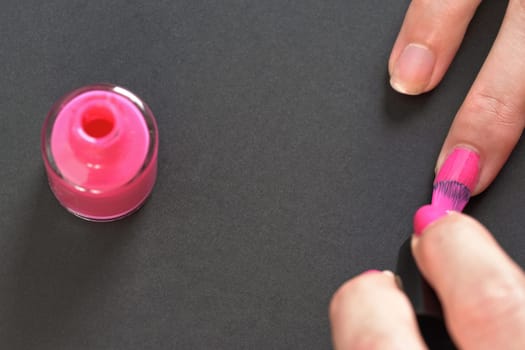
[
  {"x": 370, "y": 272},
  {"x": 413, "y": 69}
]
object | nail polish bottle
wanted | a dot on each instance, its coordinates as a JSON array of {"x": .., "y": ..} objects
[{"x": 99, "y": 146}]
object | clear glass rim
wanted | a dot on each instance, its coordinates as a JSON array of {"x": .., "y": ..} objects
[{"x": 144, "y": 109}]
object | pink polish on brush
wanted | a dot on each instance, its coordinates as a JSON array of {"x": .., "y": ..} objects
[
  {"x": 426, "y": 215},
  {"x": 456, "y": 180},
  {"x": 453, "y": 186},
  {"x": 99, "y": 145}
]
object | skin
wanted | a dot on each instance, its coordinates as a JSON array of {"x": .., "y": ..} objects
[
  {"x": 482, "y": 292},
  {"x": 481, "y": 289},
  {"x": 492, "y": 117}
]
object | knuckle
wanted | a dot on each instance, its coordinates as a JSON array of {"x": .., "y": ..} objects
[
  {"x": 494, "y": 109},
  {"x": 490, "y": 304}
]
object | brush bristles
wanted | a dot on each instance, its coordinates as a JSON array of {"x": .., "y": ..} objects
[
  {"x": 451, "y": 195},
  {"x": 461, "y": 166}
]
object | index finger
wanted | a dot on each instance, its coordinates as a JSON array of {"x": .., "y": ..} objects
[
  {"x": 492, "y": 118},
  {"x": 481, "y": 289}
]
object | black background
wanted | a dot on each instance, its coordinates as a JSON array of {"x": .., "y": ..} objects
[{"x": 287, "y": 165}]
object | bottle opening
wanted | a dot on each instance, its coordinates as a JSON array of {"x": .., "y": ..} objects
[{"x": 98, "y": 121}]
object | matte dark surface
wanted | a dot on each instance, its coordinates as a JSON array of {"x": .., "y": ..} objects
[
  {"x": 287, "y": 165},
  {"x": 424, "y": 300}
]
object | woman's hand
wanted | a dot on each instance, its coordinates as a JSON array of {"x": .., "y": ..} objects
[
  {"x": 481, "y": 289},
  {"x": 492, "y": 116}
]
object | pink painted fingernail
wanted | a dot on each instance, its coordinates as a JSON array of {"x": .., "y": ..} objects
[
  {"x": 462, "y": 165},
  {"x": 413, "y": 69},
  {"x": 426, "y": 215},
  {"x": 456, "y": 180}
]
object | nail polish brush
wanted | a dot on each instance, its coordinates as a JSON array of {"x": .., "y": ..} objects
[{"x": 452, "y": 189}]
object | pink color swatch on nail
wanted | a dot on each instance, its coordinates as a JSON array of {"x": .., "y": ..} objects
[
  {"x": 462, "y": 166},
  {"x": 100, "y": 152},
  {"x": 453, "y": 186},
  {"x": 456, "y": 180}
]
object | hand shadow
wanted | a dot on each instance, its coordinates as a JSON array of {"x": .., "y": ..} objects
[{"x": 402, "y": 108}]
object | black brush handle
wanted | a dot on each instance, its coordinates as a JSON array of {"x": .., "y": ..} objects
[{"x": 424, "y": 301}]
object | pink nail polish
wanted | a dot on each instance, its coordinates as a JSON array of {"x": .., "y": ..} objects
[
  {"x": 99, "y": 145},
  {"x": 462, "y": 165},
  {"x": 426, "y": 215},
  {"x": 456, "y": 179}
]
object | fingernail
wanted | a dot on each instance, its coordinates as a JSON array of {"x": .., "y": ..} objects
[
  {"x": 388, "y": 273},
  {"x": 396, "y": 278},
  {"x": 370, "y": 272},
  {"x": 425, "y": 216},
  {"x": 413, "y": 69},
  {"x": 462, "y": 165}
]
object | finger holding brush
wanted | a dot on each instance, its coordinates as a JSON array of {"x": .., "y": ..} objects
[
  {"x": 473, "y": 286},
  {"x": 452, "y": 189},
  {"x": 475, "y": 294},
  {"x": 482, "y": 292}
]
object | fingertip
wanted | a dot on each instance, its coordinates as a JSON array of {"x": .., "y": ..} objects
[
  {"x": 439, "y": 226},
  {"x": 371, "y": 312},
  {"x": 429, "y": 38},
  {"x": 370, "y": 279},
  {"x": 425, "y": 216}
]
